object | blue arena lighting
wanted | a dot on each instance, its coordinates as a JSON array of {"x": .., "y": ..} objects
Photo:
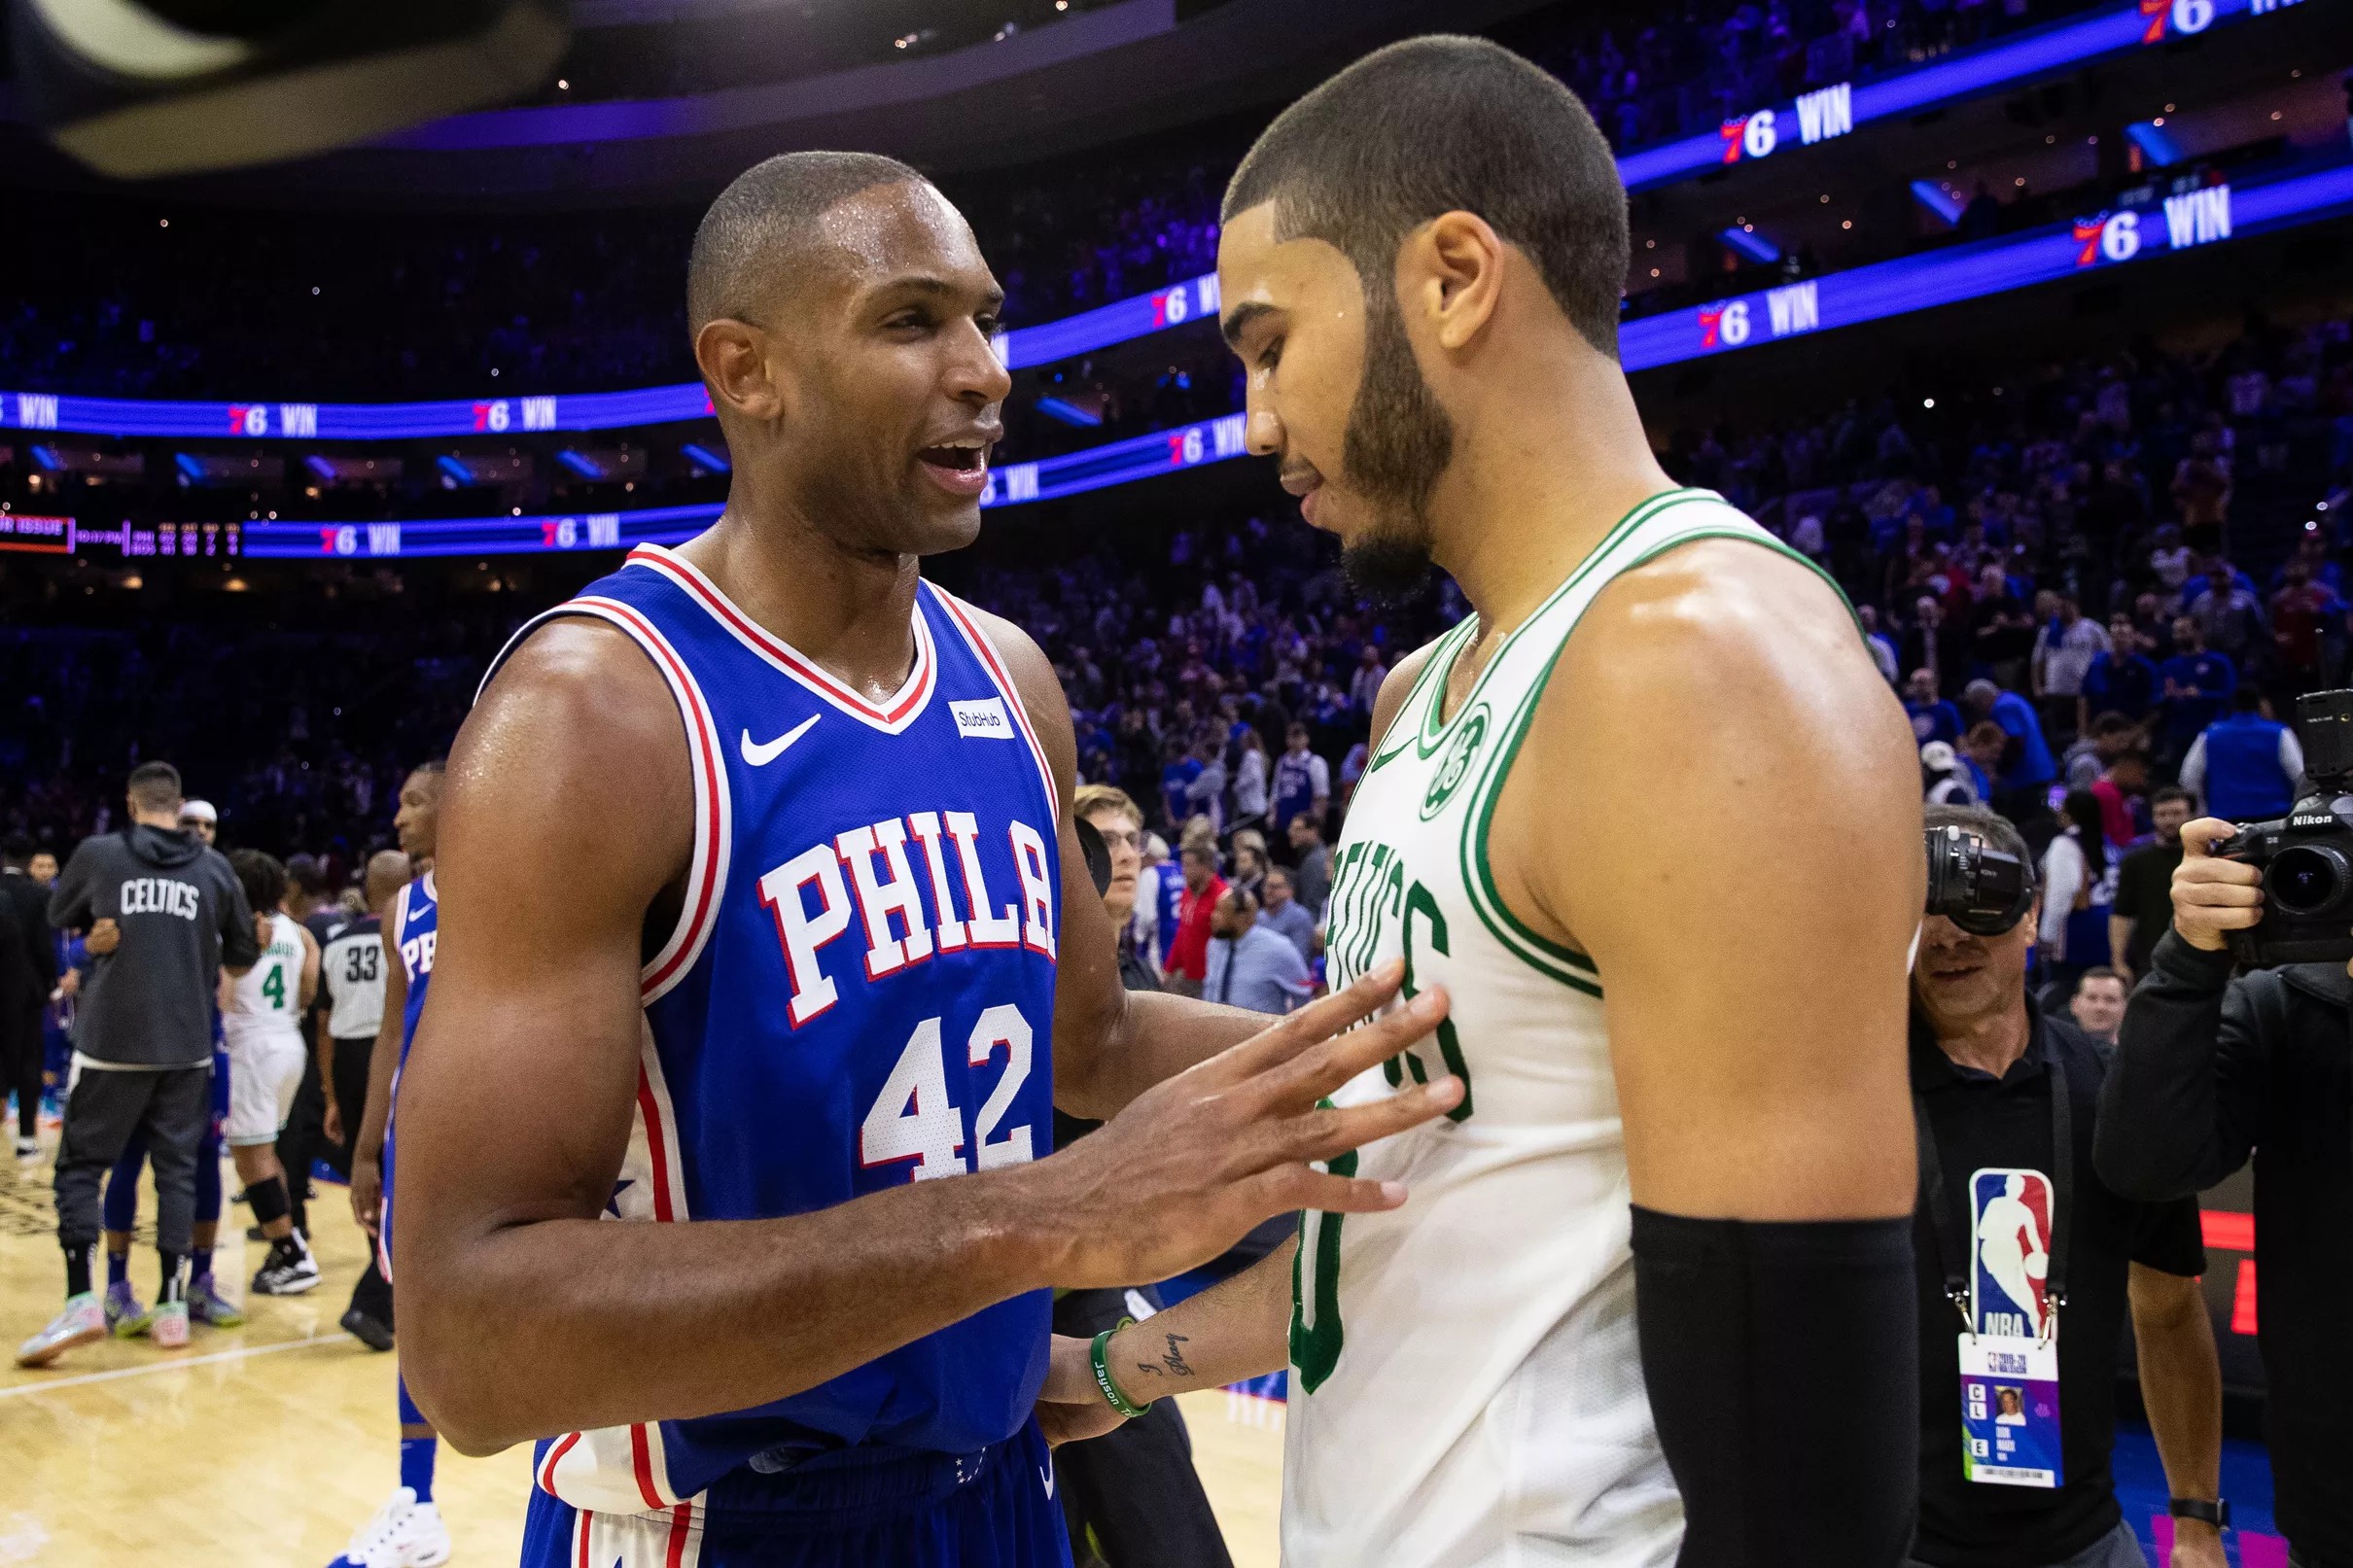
[
  {"x": 190, "y": 467},
  {"x": 2156, "y": 147},
  {"x": 1751, "y": 244},
  {"x": 703, "y": 457},
  {"x": 1822, "y": 115},
  {"x": 455, "y": 469},
  {"x": 580, "y": 463},
  {"x": 1069, "y": 413},
  {"x": 1937, "y": 199},
  {"x": 2185, "y": 220}
]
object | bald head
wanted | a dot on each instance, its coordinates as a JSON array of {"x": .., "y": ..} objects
[
  {"x": 762, "y": 222},
  {"x": 387, "y": 874}
]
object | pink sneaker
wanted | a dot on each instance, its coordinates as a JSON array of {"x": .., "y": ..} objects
[{"x": 170, "y": 1330}]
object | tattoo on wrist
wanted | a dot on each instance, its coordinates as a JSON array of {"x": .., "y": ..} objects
[
  {"x": 1174, "y": 1360},
  {"x": 1150, "y": 1369}
]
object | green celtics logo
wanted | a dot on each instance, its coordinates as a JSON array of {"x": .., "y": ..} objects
[{"x": 1456, "y": 765}]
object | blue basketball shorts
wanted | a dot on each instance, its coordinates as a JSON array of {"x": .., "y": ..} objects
[{"x": 884, "y": 1509}]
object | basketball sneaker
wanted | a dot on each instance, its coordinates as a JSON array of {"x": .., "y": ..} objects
[
  {"x": 404, "y": 1534},
  {"x": 171, "y": 1326},
  {"x": 206, "y": 1305},
  {"x": 29, "y": 1148},
  {"x": 83, "y": 1322},
  {"x": 125, "y": 1316},
  {"x": 288, "y": 1271},
  {"x": 371, "y": 1332}
]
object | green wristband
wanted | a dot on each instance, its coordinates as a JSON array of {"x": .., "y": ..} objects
[{"x": 1103, "y": 1375}]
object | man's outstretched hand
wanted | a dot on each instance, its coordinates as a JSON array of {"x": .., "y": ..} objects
[{"x": 1192, "y": 1164}]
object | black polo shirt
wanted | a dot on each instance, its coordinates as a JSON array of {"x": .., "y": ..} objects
[{"x": 1980, "y": 1122}]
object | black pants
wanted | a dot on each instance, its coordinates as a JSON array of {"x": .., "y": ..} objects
[
  {"x": 303, "y": 1135},
  {"x": 172, "y": 1108},
  {"x": 351, "y": 1098},
  {"x": 372, "y": 1294},
  {"x": 1133, "y": 1489},
  {"x": 20, "y": 1061}
]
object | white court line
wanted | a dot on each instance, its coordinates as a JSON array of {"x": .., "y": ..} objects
[{"x": 175, "y": 1365}]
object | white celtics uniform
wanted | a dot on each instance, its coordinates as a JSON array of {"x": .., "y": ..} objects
[
  {"x": 263, "y": 1031},
  {"x": 1465, "y": 1387}
]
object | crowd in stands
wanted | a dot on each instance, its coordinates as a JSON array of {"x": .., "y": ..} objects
[{"x": 2064, "y": 575}]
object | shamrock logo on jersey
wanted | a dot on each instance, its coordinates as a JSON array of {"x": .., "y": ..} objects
[{"x": 1456, "y": 765}]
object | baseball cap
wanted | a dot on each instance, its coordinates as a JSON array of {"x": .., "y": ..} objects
[{"x": 199, "y": 810}]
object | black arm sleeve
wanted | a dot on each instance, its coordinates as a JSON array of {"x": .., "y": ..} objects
[
  {"x": 2182, "y": 1105},
  {"x": 1783, "y": 1368}
]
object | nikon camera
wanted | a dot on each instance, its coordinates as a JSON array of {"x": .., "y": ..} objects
[{"x": 2306, "y": 857}]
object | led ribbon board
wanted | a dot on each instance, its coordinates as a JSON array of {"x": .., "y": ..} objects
[{"x": 1819, "y": 116}]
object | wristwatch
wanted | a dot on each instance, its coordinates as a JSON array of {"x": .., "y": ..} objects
[{"x": 2216, "y": 1512}]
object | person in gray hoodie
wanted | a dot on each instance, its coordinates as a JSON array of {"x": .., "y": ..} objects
[{"x": 169, "y": 916}]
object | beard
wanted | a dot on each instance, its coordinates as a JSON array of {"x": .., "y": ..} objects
[{"x": 1398, "y": 443}]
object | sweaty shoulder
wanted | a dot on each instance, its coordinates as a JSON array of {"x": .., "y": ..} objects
[
  {"x": 578, "y": 725},
  {"x": 1721, "y": 691}
]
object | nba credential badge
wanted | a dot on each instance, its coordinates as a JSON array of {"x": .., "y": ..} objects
[{"x": 1455, "y": 767}]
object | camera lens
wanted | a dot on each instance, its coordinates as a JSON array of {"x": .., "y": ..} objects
[{"x": 2310, "y": 878}]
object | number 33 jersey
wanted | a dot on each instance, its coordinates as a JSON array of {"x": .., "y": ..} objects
[
  {"x": 1466, "y": 1388},
  {"x": 859, "y": 992}
]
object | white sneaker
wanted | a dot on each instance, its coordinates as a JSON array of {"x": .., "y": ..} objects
[
  {"x": 288, "y": 1271},
  {"x": 404, "y": 1534},
  {"x": 83, "y": 1322}
]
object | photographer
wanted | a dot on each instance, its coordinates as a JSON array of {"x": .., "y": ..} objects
[
  {"x": 2016, "y": 1233},
  {"x": 2211, "y": 1070}
]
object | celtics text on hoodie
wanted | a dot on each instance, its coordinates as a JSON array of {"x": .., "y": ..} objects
[{"x": 182, "y": 916}]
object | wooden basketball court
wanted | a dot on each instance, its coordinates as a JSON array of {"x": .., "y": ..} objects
[{"x": 266, "y": 1446}]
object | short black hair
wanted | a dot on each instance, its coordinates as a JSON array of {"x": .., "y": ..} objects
[
  {"x": 2172, "y": 792},
  {"x": 262, "y": 877},
  {"x": 307, "y": 873},
  {"x": 156, "y": 785},
  {"x": 2099, "y": 971},
  {"x": 2247, "y": 698},
  {"x": 16, "y": 849},
  {"x": 1440, "y": 124},
  {"x": 769, "y": 206}
]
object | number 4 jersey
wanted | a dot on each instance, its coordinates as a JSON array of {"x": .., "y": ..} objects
[
  {"x": 859, "y": 992},
  {"x": 1466, "y": 1385}
]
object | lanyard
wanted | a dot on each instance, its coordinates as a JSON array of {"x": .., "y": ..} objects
[{"x": 1954, "y": 1252}]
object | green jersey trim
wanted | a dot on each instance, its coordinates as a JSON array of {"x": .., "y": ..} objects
[
  {"x": 1434, "y": 730},
  {"x": 1407, "y": 723},
  {"x": 1550, "y": 958}
]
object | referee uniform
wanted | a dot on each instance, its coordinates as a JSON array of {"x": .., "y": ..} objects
[{"x": 351, "y": 976}]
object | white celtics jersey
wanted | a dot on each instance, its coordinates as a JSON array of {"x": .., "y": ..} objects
[
  {"x": 268, "y": 997},
  {"x": 1465, "y": 1387}
]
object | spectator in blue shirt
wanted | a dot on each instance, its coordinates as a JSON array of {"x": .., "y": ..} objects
[
  {"x": 2123, "y": 680},
  {"x": 1178, "y": 769},
  {"x": 2027, "y": 765},
  {"x": 2246, "y": 764},
  {"x": 2196, "y": 685},
  {"x": 1933, "y": 717},
  {"x": 1249, "y": 965},
  {"x": 1283, "y": 913}
]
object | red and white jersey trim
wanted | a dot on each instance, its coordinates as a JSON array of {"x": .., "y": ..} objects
[
  {"x": 984, "y": 649},
  {"x": 890, "y": 716},
  {"x": 670, "y": 1539},
  {"x": 713, "y": 826}
]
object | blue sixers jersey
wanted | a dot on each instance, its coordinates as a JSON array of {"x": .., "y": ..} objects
[
  {"x": 416, "y": 918},
  {"x": 859, "y": 994}
]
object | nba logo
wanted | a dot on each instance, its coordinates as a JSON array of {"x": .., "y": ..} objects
[{"x": 2009, "y": 1240}]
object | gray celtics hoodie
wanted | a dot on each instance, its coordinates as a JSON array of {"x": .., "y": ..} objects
[{"x": 150, "y": 1002}]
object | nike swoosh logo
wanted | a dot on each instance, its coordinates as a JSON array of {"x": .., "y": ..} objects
[{"x": 759, "y": 756}]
